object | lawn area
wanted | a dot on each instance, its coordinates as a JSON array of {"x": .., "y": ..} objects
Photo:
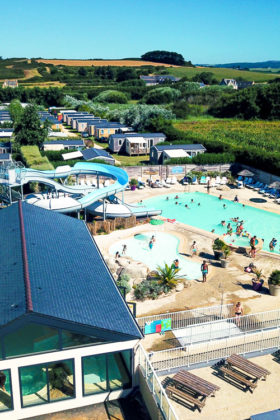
[
  {"x": 132, "y": 160},
  {"x": 220, "y": 73}
]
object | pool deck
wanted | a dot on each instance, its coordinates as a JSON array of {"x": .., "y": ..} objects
[{"x": 231, "y": 402}]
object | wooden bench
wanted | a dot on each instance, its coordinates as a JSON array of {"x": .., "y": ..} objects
[
  {"x": 250, "y": 385},
  {"x": 171, "y": 390}
]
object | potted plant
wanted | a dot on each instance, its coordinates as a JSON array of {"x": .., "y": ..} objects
[
  {"x": 133, "y": 184},
  {"x": 226, "y": 254},
  {"x": 257, "y": 282},
  {"x": 218, "y": 247},
  {"x": 274, "y": 283}
]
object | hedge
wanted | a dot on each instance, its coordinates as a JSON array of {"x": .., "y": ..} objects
[
  {"x": 204, "y": 159},
  {"x": 33, "y": 158}
]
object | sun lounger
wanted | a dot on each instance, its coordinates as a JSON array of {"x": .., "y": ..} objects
[
  {"x": 168, "y": 180},
  {"x": 218, "y": 180},
  {"x": 207, "y": 179},
  {"x": 213, "y": 182},
  {"x": 164, "y": 184},
  {"x": 240, "y": 178},
  {"x": 173, "y": 180},
  {"x": 240, "y": 184},
  {"x": 202, "y": 180},
  {"x": 194, "y": 180},
  {"x": 224, "y": 180}
]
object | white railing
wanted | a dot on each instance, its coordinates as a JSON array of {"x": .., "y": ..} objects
[
  {"x": 229, "y": 327},
  {"x": 211, "y": 351},
  {"x": 183, "y": 319},
  {"x": 155, "y": 385}
]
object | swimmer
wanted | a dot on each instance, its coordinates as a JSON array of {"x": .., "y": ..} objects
[
  {"x": 228, "y": 226},
  {"x": 187, "y": 207},
  {"x": 198, "y": 204},
  {"x": 224, "y": 206},
  {"x": 243, "y": 205},
  {"x": 141, "y": 201},
  {"x": 124, "y": 249},
  {"x": 220, "y": 197},
  {"x": 153, "y": 239},
  {"x": 176, "y": 198},
  {"x": 192, "y": 200},
  {"x": 236, "y": 199},
  {"x": 117, "y": 255},
  {"x": 176, "y": 202},
  {"x": 213, "y": 231},
  {"x": 223, "y": 222},
  {"x": 167, "y": 198},
  {"x": 151, "y": 244},
  {"x": 175, "y": 264}
]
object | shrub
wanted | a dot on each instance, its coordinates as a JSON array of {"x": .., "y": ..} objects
[
  {"x": 111, "y": 96},
  {"x": 148, "y": 289},
  {"x": 123, "y": 281},
  {"x": 218, "y": 245},
  {"x": 274, "y": 278},
  {"x": 161, "y": 95}
]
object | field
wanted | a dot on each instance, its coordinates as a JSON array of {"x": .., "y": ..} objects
[
  {"x": 221, "y": 73},
  {"x": 100, "y": 63},
  {"x": 263, "y": 134}
]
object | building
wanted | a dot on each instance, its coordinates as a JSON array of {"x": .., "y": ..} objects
[
  {"x": 158, "y": 154},
  {"x": 159, "y": 79},
  {"x": 63, "y": 145},
  {"x": 5, "y": 157},
  {"x": 67, "y": 335},
  {"x": 92, "y": 124},
  {"x": 10, "y": 84},
  {"x": 5, "y": 117},
  {"x": 104, "y": 130},
  {"x": 55, "y": 124},
  {"x": 5, "y": 147},
  {"x": 244, "y": 85},
  {"x": 82, "y": 124},
  {"x": 74, "y": 115},
  {"x": 230, "y": 83},
  {"x": 90, "y": 155},
  {"x": 6, "y": 133},
  {"x": 121, "y": 143}
]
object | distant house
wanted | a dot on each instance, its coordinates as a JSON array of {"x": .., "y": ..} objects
[
  {"x": 46, "y": 116},
  {"x": 92, "y": 124},
  {"x": 244, "y": 85},
  {"x": 5, "y": 116},
  {"x": 63, "y": 145},
  {"x": 159, "y": 79},
  {"x": 158, "y": 154},
  {"x": 10, "y": 84},
  {"x": 132, "y": 143},
  {"x": 236, "y": 84},
  {"x": 5, "y": 147},
  {"x": 230, "y": 83}
]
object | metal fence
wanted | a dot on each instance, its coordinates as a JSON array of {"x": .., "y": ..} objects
[
  {"x": 228, "y": 327},
  {"x": 212, "y": 351},
  {"x": 183, "y": 319},
  {"x": 155, "y": 385}
]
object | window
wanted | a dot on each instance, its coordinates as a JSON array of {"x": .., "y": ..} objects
[
  {"x": 120, "y": 142},
  {"x": 47, "y": 382},
  {"x": 102, "y": 131},
  {"x": 106, "y": 372},
  {"x": 6, "y": 399},
  {"x": 31, "y": 338},
  {"x": 71, "y": 339}
]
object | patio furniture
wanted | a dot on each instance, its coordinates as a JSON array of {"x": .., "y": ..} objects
[
  {"x": 248, "y": 367},
  {"x": 192, "y": 388},
  {"x": 237, "y": 377},
  {"x": 202, "y": 180}
]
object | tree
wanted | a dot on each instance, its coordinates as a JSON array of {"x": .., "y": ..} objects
[
  {"x": 82, "y": 71},
  {"x": 111, "y": 96},
  {"x": 126, "y": 74},
  {"x": 15, "y": 109},
  {"x": 28, "y": 130},
  {"x": 181, "y": 108},
  {"x": 168, "y": 276},
  {"x": 206, "y": 77},
  {"x": 164, "y": 57},
  {"x": 161, "y": 95}
]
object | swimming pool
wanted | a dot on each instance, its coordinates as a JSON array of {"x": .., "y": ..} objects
[
  {"x": 165, "y": 250},
  {"x": 209, "y": 214}
]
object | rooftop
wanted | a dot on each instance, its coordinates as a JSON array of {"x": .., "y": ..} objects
[
  {"x": 145, "y": 135},
  {"x": 52, "y": 268},
  {"x": 92, "y": 153},
  {"x": 180, "y": 146},
  {"x": 66, "y": 142}
]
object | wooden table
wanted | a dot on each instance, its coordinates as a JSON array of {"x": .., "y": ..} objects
[
  {"x": 195, "y": 383},
  {"x": 247, "y": 366}
]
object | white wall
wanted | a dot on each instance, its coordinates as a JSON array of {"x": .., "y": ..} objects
[{"x": 79, "y": 401}]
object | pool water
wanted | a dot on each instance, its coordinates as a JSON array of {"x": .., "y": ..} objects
[
  {"x": 165, "y": 250},
  {"x": 209, "y": 214}
]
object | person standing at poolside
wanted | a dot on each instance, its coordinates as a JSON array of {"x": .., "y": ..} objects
[
  {"x": 204, "y": 270},
  {"x": 193, "y": 249},
  {"x": 151, "y": 244},
  {"x": 124, "y": 249},
  {"x": 175, "y": 264},
  {"x": 208, "y": 186},
  {"x": 238, "y": 312},
  {"x": 253, "y": 246}
]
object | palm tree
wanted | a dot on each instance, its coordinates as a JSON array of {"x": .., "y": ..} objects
[{"x": 168, "y": 276}]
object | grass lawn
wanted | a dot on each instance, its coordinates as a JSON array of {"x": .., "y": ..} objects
[
  {"x": 132, "y": 160},
  {"x": 220, "y": 73}
]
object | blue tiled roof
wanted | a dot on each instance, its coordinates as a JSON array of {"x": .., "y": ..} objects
[
  {"x": 180, "y": 146},
  {"x": 92, "y": 153},
  {"x": 5, "y": 156},
  {"x": 66, "y": 142},
  {"x": 109, "y": 125},
  {"x": 145, "y": 135},
  {"x": 68, "y": 277},
  {"x": 7, "y": 144}
]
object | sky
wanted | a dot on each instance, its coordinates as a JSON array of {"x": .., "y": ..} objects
[{"x": 203, "y": 31}]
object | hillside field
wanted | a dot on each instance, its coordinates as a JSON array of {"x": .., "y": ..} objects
[
  {"x": 101, "y": 63},
  {"x": 221, "y": 73}
]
